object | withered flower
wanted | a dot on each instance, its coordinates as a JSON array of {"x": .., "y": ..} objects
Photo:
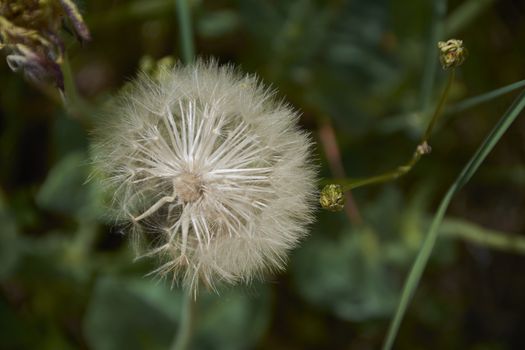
[{"x": 30, "y": 32}]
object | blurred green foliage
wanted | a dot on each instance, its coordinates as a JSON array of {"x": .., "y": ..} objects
[{"x": 67, "y": 276}]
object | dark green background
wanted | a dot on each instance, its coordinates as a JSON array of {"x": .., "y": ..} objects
[{"x": 67, "y": 276}]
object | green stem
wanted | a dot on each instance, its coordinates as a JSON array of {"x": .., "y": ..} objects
[
  {"x": 185, "y": 27},
  {"x": 70, "y": 90},
  {"x": 385, "y": 177},
  {"x": 183, "y": 336},
  {"x": 74, "y": 104},
  {"x": 422, "y": 148},
  {"x": 439, "y": 109},
  {"x": 475, "y": 234},
  {"x": 428, "y": 244},
  {"x": 439, "y": 10}
]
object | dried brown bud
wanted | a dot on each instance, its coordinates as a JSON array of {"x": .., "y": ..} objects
[{"x": 452, "y": 53}]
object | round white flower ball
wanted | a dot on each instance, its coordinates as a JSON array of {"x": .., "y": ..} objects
[{"x": 210, "y": 169}]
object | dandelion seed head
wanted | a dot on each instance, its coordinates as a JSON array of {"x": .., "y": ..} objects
[{"x": 208, "y": 165}]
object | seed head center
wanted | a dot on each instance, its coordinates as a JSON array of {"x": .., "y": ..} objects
[{"x": 188, "y": 187}]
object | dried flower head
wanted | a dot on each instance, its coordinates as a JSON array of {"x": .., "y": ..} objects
[
  {"x": 30, "y": 30},
  {"x": 207, "y": 165},
  {"x": 452, "y": 53}
]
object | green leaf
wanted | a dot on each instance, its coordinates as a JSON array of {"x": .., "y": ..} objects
[
  {"x": 345, "y": 275},
  {"x": 139, "y": 313},
  {"x": 235, "y": 319},
  {"x": 130, "y": 314},
  {"x": 65, "y": 189}
]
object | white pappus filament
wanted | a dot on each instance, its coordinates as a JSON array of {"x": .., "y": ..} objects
[{"x": 210, "y": 170}]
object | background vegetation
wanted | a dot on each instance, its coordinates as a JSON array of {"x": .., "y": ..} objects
[{"x": 365, "y": 76}]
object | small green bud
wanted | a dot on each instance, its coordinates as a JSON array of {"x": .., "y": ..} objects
[
  {"x": 332, "y": 197},
  {"x": 452, "y": 53}
]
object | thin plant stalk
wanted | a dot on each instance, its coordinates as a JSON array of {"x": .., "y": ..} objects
[
  {"x": 186, "y": 32},
  {"x": 439, "y": 109},
  {"x": 431, "y": 237},
  {"x": 183, "y": 336},
  {"x": 76, "y": 106},
  {"x": 422, "y": 148},
  {"x": 475, "y": 234}
]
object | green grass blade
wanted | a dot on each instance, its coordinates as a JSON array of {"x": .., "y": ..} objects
[
  {"x": 398, "y": 122},
  {"x": 428, "y": 244},
  {"x": 476, "y": 100}
]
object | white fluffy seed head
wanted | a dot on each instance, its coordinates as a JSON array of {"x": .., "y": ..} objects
[{"x": 210, "y": 170}]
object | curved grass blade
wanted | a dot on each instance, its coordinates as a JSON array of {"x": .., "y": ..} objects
[
  {"x": 428, "y": 244},
  {"x": 476, "y": 100}
]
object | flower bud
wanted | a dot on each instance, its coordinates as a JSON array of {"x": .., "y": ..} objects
[
  {"x": 332, "y": 197},
  {"x": 452, "y": 53}
]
